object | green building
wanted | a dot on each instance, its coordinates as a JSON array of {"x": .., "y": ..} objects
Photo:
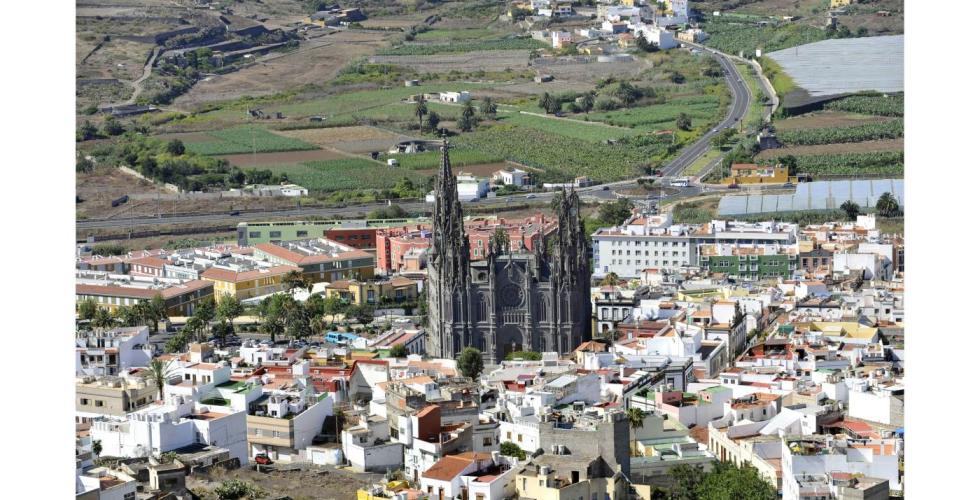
[
  {"x": 355, "y": 233},
  {"x": 749, "y": 263}
]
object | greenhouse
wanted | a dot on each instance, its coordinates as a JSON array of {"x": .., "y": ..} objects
[{"x": 824, "y": 195}]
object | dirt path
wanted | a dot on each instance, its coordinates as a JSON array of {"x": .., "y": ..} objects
[{"x": 147, "y": 71}]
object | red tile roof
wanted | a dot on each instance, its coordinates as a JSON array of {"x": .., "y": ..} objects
[
  {"x": 219, "y": 274},
  {"x": 450, "y": 466}
]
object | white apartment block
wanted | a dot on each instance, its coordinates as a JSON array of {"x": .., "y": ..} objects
[
  {"x": 112, "y": 352},
  {"x": 654, "y": 241},
  {"x": 166, "y": 427}
]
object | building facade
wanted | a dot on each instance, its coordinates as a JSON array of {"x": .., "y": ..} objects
[{"x": 511, "y": 301}]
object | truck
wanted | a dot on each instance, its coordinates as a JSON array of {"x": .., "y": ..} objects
[{"x": 680, "y": 182}]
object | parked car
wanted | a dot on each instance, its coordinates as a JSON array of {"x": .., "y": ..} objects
[
  {"x": 234, "y": 213},
  {"x": 263, "y": 459}
]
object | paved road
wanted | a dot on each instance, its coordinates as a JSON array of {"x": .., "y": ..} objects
[{"x": 736, "y": 112}]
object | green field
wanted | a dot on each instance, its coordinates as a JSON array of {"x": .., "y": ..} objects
[
  {"x": 563, "y": 158},
  {"x": 568, "y": 128},
  {"x": 245, "y": 140},
  {"x": 443, "y": 35},
  {"x": 346, "y": 174},
  {"x": 458, "y": 47},
  {"x": 372, "y": 103},
  {"x": 734, "y": 35},
  {"x": 703, "y": 110},
  {"x": 868, "y": 132},
  {"x": 427, "y": 160},
  {"x": 878, "y": 163}
]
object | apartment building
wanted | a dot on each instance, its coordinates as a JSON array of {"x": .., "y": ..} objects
[
  {"x": 111, "y": 291},
  {"x": 111, "y": 352},
  {"x": 245, "y": 279},
  {"x": 320, "y": 259},
  {"x": 395, "y": 290},
  {"x": 654, "y": 241},
  {"x": 111, "y": 396},
  {"x": 749, "y": 262}
]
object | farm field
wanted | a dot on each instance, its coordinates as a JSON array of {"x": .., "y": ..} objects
[
  {"x": 563, "y": 158},
  {"x": 497, "y": 60},
  {"x": 367, "y": 102},
  {"x": 823, "y": 149},
  {"x": 245, "y": 140},
  {"x": 569, "y": 127},
  {"x": 463, "y": 46},
  {"x": 346, "y": 174},
  {"x": 826, "y": 119},
  {"x": 314, "y": 62},
  {"x": 358, "y": 139},
  {"x": 850, "y": 164},
  {"x": 249, "y": 160},
  {"x": 868, "y": 132},
  {"x": 733, "y": 35},
  {"x": 701, "y": 109},
  {"x": 428, "y": 160}
]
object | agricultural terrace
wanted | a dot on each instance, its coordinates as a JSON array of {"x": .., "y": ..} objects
[
  {"x": 429, "y": 160},
  {"x": 246, "y": 140},
  {"x": 734, "y": 34},
  {"x": 347, "y": 174},
  {"x": 852, "y": 136},
  {"x": 562, "y": 158}
]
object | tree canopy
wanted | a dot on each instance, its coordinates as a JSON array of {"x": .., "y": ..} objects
[{"x": 470, "y": 362}]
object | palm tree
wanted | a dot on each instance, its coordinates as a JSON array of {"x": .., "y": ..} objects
[
  {"x": 156, "y": 310},
  {"x": 588, "y": 100},
  {"x": 635, "y": 417},
  {"x": 488, "y": 108},
  {"x": 421, "y": 110},
  {"x": 160, "y": 373},
  {"x": 103, "y": 319},
  {"x": 294, "y": 279},
  {"x": 97, "y": 447}
]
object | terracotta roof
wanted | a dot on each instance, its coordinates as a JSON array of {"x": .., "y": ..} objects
[
  {"x": 116, "y": 290},
  {"x": 450, "y": 466},
  {"x": 218, "y": 274},
  {"x": 150, "y": 261}
]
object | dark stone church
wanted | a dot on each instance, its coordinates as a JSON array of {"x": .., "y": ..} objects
[{"x": 512, "y": 301}]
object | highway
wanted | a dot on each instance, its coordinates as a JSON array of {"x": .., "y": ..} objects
[{"x": 741, "y": 97}]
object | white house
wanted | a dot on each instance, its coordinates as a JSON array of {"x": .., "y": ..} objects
[
  {"x": 368, "y": 446},
  {"x": 477, "y": 475},
  {"x": 164, "y": 427},
  {"x": 470, "y": 187},
  {"x": 112, "y": 352},
  {"x": 559, "y": 39},
  {"x": 454, "y": 97},
  {"x": 512, "y": 177},
  {"x": 822, "y": 454}
]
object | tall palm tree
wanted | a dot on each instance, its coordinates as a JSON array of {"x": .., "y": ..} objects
[
  {"x": 421, "y": 110},
  {"x": 635, "y": 417},
  {"x": 160, "y": 373}
]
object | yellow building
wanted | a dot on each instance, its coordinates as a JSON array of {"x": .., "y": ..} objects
[
  {"x": 839, "y": 3},
  {"x": 750, "y": 173},
  {"x": 844, "y": 330},
  {"x": 395, "y": 290},
  {"x": 321, "y": 260},
  {"x": 180, "y": 298},
  {"x": 247, "y": 284}
]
